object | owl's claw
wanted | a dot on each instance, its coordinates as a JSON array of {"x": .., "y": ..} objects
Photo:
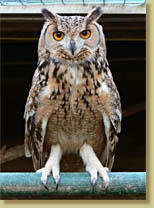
[
  {"x": 93, "y": 165},
  {"x": 106, "y": 184},
  {"x": 45, "y": 185},
  {"x": 57, "y": 185},
  {"x": 52, "y": 165},
  {"x": 93, "y": 173},
  {"x": 43, "y": 178},
  {"x": 93, "y": 183},
  {"x": 45, "y": 173},
  {"x": 92, "y": 187},
  {"x": 57, "y": 178},
  {"x": 93, "y": 180}
]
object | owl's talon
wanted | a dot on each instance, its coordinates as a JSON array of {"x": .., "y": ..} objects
[
  {"x": 52, "y": 165},
  {"x": 45, "y": 186},
  {"x": 93, "y": 187},
  {"x": 93, "y": 183},
  {"x": 106, "y": 184},
  {"x": 44, "y": 180},
  {"x": 104, "y": 175},
  {"x": 93, "y": 180},
  {"x": 57, "y": 185},
  {"x": 93, "y": 165},
  {"x": 56, "y": 178}
]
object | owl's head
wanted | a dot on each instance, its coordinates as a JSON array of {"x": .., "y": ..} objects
[{"x": 72, "y": 38}]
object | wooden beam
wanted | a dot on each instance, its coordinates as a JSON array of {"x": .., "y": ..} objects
[
  {"x": 133, "y": 109},
  {"x": 125, "y": 185},
  {"x": 12, "y": 153}
]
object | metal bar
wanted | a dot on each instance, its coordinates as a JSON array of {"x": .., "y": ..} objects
[
  {"x": 123, "y": 185},
  {"x": 70, "y": 9},
  {"x": 42, "y": 2},
  {"x": 83, "y": 2},
  {"x": 7, "y": 3},
  {"x": 21, "y": 2}
]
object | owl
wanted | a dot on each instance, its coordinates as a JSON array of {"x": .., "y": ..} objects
[{"x": 73, "y": 105}]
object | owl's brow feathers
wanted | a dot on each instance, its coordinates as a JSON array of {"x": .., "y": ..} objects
[
  {"x": 69, "y": 22},
  {"x": 74, "y": 21}
]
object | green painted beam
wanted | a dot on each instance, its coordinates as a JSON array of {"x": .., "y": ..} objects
[{"x": 123, "y": 185}]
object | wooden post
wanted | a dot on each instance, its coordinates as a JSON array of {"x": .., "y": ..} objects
[{"x": 123, "y": 185}]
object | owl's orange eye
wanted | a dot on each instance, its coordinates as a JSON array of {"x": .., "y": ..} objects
[
  {"x": 58, "y": 35},
  {"x": 85, "y": 34}
]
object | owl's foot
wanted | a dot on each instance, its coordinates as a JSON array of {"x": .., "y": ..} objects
[
  {"x": 52, "y": 165},
  {"x": 93, "y": 165}
]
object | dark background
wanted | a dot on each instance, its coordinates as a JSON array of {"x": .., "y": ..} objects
[{"x": 125, "y": 40}]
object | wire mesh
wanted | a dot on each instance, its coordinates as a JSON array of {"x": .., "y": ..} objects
[{"x": 45, "y": 2}]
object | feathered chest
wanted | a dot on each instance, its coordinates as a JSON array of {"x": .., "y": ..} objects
[
  {"x": 74, "y": 89},
  {"x": 71, "y": 98},
  {"x": 75, "y": 101},
  {"x": 71, "y": 91},
  {"x": 71, "y": 88}
]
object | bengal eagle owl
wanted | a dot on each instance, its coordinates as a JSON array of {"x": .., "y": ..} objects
[{"x": 73, "y": 104}]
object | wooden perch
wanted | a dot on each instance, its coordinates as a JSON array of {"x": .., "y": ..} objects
[
  {"x": 12, "y": 153},
  {"x": 126, "y": 185},
  {"x": 132, "y": 109}
]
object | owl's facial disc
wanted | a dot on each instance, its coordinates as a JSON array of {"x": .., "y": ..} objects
[
  {"x": 72, "y": 45},
  {"x": 72, "y": 38}
]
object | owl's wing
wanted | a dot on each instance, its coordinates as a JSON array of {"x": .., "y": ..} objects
[
  {"x": 111, "y": 112},
  {"x": 35, "y": 123}
]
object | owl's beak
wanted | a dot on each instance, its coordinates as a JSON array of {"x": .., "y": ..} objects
[{"x": 72, "y": 46}]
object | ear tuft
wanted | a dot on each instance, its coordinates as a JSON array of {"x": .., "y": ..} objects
[
  {"x": 94, "y": 15},
  {"x": 48, "y": 15}
]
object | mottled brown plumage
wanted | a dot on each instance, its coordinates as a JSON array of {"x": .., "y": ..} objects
[{"x": 73, "y": 105}]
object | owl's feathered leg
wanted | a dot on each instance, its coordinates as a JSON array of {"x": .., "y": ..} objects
[
  {"x": 52, "y": 164},
  {"x": 93, "y": 165}
]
